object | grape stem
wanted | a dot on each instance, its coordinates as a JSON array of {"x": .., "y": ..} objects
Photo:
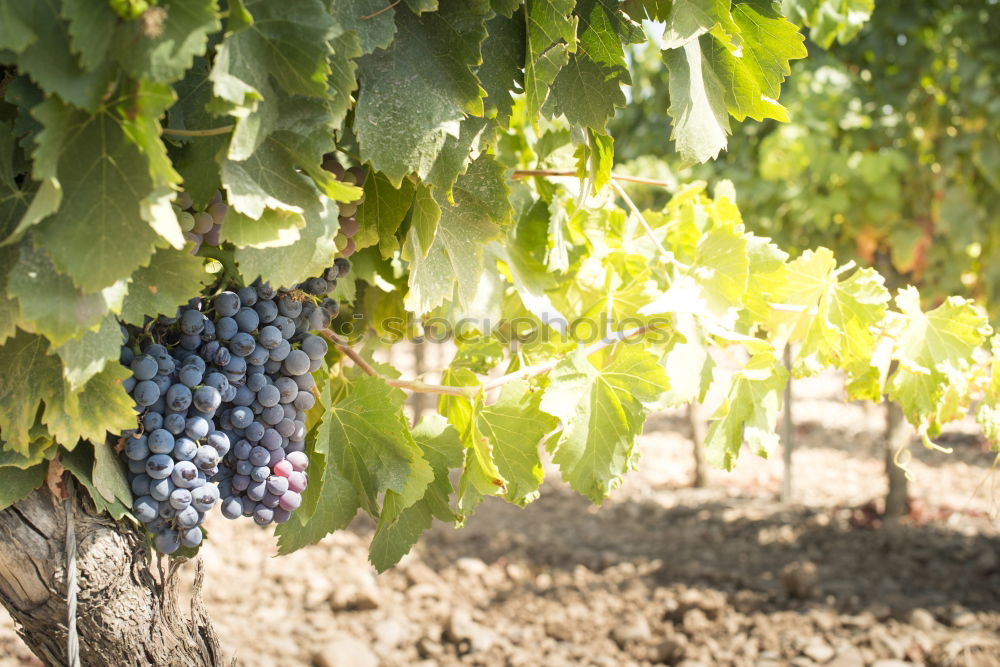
[
  {"x": 210, "y": 132},
  {"x": 470, "y": 392},
  {"x": 527, "y": 173},
  {"x": 381, "y": 11},
  {"x": 409, "y": 385}
]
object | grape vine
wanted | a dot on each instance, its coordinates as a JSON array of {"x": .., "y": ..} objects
[{"x": 162, "y": 167}]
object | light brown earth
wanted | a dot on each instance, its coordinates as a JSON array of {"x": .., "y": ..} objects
[{"x": 660, "y": 574}]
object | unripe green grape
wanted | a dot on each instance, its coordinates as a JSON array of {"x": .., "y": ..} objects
[
  {"x": 340, "y": 241},
  {"x": 347, "y": 210},
  {"x": 186, "y": 221},
  {"x": 183, "y": 200}
]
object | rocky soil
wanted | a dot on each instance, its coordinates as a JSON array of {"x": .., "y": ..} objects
[{"x": 661, "y": 574}]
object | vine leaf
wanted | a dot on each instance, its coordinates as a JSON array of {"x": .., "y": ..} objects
[
  {"x": 934, "y": 351},
  {"x": 370, "y": 446},
  {"x": 84, "y": 357},
  {"x": 96, "y": 236},
  {"x": 394, "y": 537},
  {"x": 48, "y": 302},
  {"x": 17, "y": 484},
  {"x": 80, "y": 462},
  {"x": 697, "y": 105},
  {"x": 382, "y": 212},
  {"x": 274, "y": 229},
  {"x": 374, "y": 32},
  {"x": 336, "y": 505},
  {"x": 749, "y": 412},
  {"x": 41, "y": 40},
  {"x": 308, "y": 256},
  {"x": 455, "y": 257},
  {"x": 168, "y": 282},
  {"x": 33, "y": 377},
  {"x": 754, "y": 73},
  {"x": 433, "y": 52},
  {"x": 551, "y": 38},
  {"x": 166, "y": 52},
  {"x": 586, "y": 92},
  {"x": 501, "y": 73},
  {"x": 600, "y": 405},
  {"x": 514, "y": 427},
  {"x": 286, "y": 44}
]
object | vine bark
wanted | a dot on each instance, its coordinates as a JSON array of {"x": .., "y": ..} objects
[{"x": 125, "y": 615}]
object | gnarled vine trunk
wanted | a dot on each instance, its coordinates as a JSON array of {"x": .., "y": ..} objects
[{"x": 124, "y": 615}]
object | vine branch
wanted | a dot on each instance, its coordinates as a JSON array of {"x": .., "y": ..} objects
[
  {"x": 381, "y": 11},
  {"x": 410, "y": 385},
  {"x": 210, "y": 132},
  {"x": 522, "y": 374},
  {"x": 527, "y": 173}
]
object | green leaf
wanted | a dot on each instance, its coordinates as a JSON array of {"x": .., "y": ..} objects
[
  {"x": 286, "y": 44},
  {"x": 501, "y": 73},
  {"x": 92, "y": 26},
  {"x": 343, "y": 77},
  {"x": 934, "y": 350},
  {"x": 433, "y": 52},
  {"x": 44, "y": 53},
  {"x": 754, "y": 74},
  {"x": 84, "y": 357},
  {"x": 382, "y": 212},
  {"x": 394, "y": 538},
  {"x": 551, "y": 37},
  {"x": 41, "y": 448},
  {"x": 514, "y": 427},
  {"x": 49, "y": 302},
  {"x": 308, "y": 256},
  {"x": 586, "y": 92},
  {"x": 335, "y": 507},
  {"x": 165, "y": 52},
  {"x": 604, "y": 29},
  {"x": 455, "y": 257},
  {"x": 600, "y": 405},
  {"x": 197, "y": 159},
  {"x": 97, "y": 236},
  {"x": 689, "y": 19},
  {"x": 688, "y": 364},
  {"x": 423, "y": 224},
  {"x": 33, "y": 377},
  {"x": 109, "y": 475},
  {"x": 748, "y": 413},
  {"x": 274, "y": 229},
  {"x": 102, "y": 406},
  {"x": 80, "y": 462},
  {"x": 370, "y": 446},
  {"x": 16, "y": 484},
  {"x": 372, "y": 27},
  {"x": 15, "y": 26},
  {"x": 697, "y": 104},
  {"x": 168, "y": 282}
]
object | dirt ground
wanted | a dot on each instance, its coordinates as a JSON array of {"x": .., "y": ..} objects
[{"x": 661, "y": 574}]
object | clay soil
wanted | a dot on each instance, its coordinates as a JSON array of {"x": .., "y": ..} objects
[{"x": 660, "y": 574}]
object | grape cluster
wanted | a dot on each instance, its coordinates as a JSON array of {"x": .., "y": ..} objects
[
  {"x": 201, "y": 226},
  {"x": 348, "y": 223},
  {"x": 222, "y": 390}
]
